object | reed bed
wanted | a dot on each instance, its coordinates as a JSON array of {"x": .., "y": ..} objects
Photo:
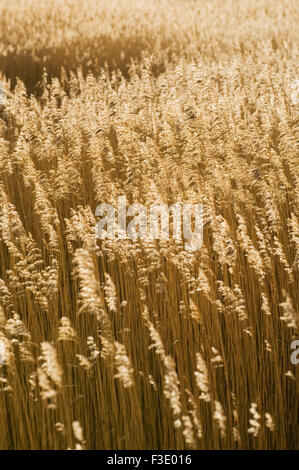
[{"x": 122, "y": 344}]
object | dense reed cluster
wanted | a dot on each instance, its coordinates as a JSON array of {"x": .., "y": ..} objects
[{"x": 122, "y": 344}]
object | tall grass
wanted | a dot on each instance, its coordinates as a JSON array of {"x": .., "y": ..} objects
[{"x": 118, "y": 344}]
